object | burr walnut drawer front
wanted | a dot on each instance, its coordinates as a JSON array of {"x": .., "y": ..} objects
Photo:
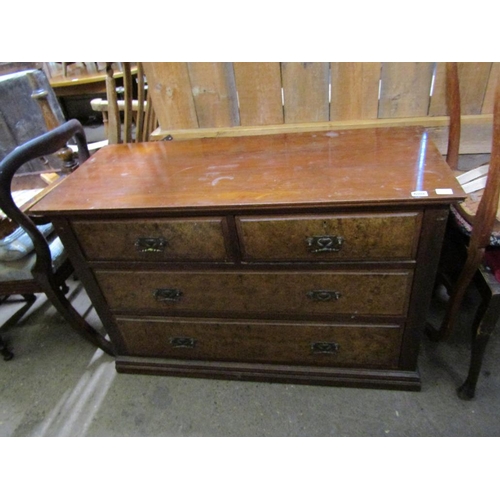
[
  {"x": 232, "y": 292},
  {"x": 153, "y": 240},
  {"x": 330, "y": 238},
  {"x": 275, "y": 342}
]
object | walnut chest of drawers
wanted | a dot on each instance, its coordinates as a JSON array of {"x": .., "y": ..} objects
[{"x": 303, "y": 258}]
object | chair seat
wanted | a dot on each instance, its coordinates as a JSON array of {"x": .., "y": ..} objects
[
  {"x": 20, "y": 270},
  {"x": 464, "y": 214}
]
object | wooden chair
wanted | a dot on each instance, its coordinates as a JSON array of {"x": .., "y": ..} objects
[
  {"x": 472, "y": 243},
  {"x": 139, "y": 117},
  {"x": 45, "y": 269}
]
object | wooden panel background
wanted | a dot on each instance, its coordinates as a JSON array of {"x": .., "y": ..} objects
[{"x": 203, "y": 99}]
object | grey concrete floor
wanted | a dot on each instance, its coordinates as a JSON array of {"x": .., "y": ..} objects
[{"x": 58, "y": 385}]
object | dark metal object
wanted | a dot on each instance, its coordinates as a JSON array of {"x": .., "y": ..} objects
[
  {"x": 325, "y": 243},
  {"x": 324, "y": 347},
  {"x": 146, "y": 245},
  {"x": 167, "y": 294},
  {"x": 323, "y": 295},
  {"x": 183, "y": 342}
]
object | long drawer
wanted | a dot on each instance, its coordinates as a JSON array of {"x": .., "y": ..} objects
[
  {"x": 153, "y": 240},
  {"x": 330, "y": 238},
  {"x": 233, "y": 292},
  {"x": 272, "y": 342}
]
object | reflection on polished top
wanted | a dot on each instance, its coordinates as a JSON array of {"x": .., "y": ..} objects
[{"x": 347, "y": 167}]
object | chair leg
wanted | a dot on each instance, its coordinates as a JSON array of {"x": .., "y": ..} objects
[
  {"x": 63, "y": 305},
  {"x": 7, "y": 355},
  {"x": 456, "y": 298},
  {"x": 486, "y": 319},
  {"x": 30, "y": 299}
]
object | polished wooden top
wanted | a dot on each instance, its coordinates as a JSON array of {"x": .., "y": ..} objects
[{"x": 382, "y": 166}]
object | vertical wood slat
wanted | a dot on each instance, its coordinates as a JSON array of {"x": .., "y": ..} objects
[
  {"x": 259, "y": 93},
  {"x": 114, "y": 124},
  {"x": 170, "y": 89},
  {"x": 141, "y": 97},
  {"x": 127, "y": 119},
  {"x": 453, "y": 108},
  {"x": 354, "y": 94},
  {"x": 214, "y": 93},
  {"x": 489, "y": 96},
  {"x": 405, "y": 89},
  {"x": 438, "y": 105},
  {"x": 473, "y": 78},
  {"x": 305, "y": 87}
]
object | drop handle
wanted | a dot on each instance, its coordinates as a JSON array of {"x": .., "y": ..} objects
[
  {"x": 325, "y": 243},
  {"x": 167, "y": 294},
  {"x": 183, "y": 342},
  {"x": 324, "y": 347},
  {"x": 150, "y": 245},
  {"x": 323, "y": 295}
]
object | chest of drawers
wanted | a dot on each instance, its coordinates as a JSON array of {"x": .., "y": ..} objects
[{"x": 304, "y": 258}]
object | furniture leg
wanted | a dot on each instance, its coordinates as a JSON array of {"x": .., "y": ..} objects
[
  {"x": 457, "y": 295},
  {"x": 486, "y": 319},
  {"x": 7, "y": 355},
  {"x": 30, "y": 299}
]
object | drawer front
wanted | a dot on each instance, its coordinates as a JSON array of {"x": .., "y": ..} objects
[
  {"x": 341, "y": 238},
  {"x": 304, "y": 293},
  {"x": 272, "y": 342},
  {"x": 153, "y": 240}
]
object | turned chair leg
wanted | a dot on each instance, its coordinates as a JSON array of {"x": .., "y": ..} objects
[{"x": 486, "y": 319}]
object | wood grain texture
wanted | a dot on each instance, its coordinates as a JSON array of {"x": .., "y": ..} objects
[
  {"x": 305, "y": 87},
  {"x": 476, "y": 130},
  {"x": 354, "y": 90},
  {"x": 475, "y": 136},
  {"x": 359, "y": 345},
  {"x": 170, "y": 89},
  {"x": 114, "y": 125},
  {"x": 437, "y": 105},
  {"x": 489, "y": 98},
  {"x": 259, "y": 93},
  {"x": 259, "y": 319},
  {"x": 184, "y": 239},
  {"x": 374, "y": 237},
  {"x": 301, "y": 170},
  {"x": 381, "y": 293},
  {"x": 405, "y": 89},
  {"x": 214, "y": 93},
  {"x": 473, "y": 77}
]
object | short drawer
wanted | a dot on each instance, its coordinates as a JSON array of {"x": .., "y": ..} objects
[
  {"x": 232, "y": 292},
  {"x": 330, "y": 238},
  {"x": 153, "y": 240},
  {"x": 272, "y": 342}
]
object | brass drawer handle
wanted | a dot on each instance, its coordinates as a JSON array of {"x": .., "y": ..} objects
[
  {"x": 325, "y": 347},
  {"x": 323, "y": 295},
  {"x": 150, "y": 245},
  {"x": 183, "y": 342},
  {"x": 325, "y": 243},
  {"x": 167, "y": 294}
]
